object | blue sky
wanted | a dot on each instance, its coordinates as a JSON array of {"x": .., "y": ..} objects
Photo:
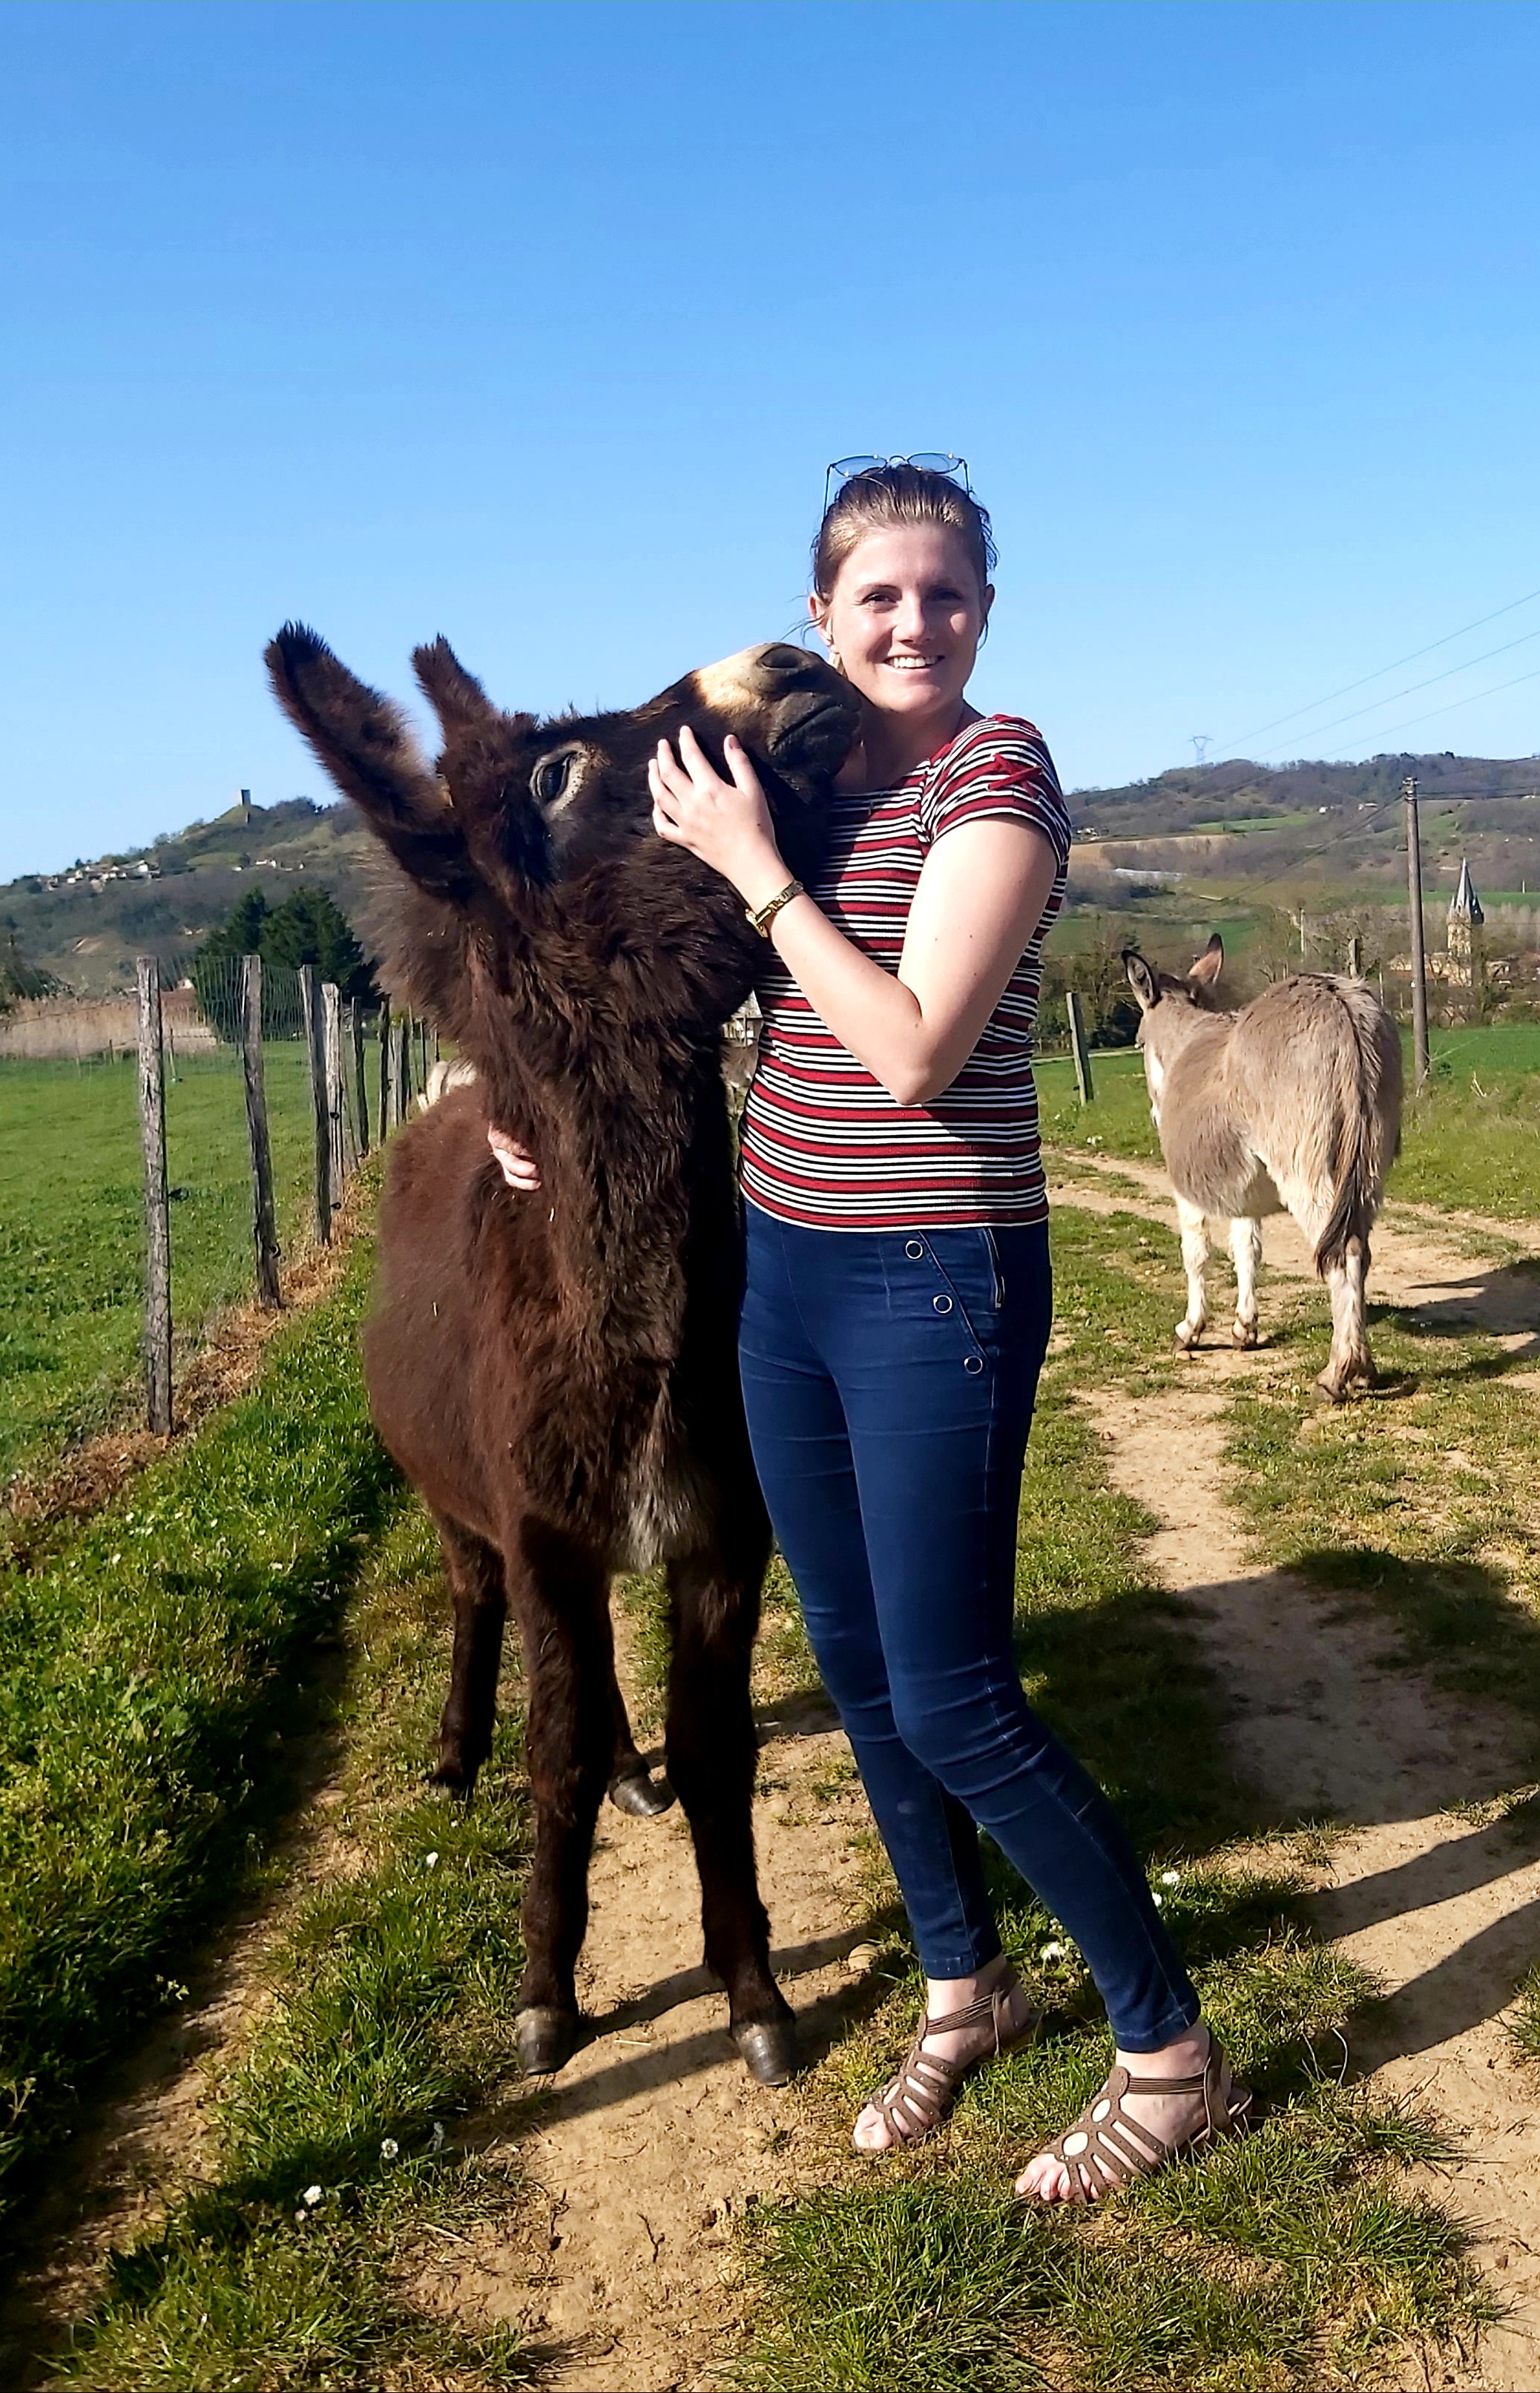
[{"x": 537, "y": 326}]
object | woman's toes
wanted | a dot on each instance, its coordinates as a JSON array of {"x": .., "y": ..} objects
[
  {"x": 870, "y": 2134},
  {"x": 1044, "y": 2179}
]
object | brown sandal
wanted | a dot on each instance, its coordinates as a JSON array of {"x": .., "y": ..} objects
[
  {"x": 1106, "y": 2150},
  {"x": 919, "y": 2097}
]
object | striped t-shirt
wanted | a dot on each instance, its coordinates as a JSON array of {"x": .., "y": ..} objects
[{"x": 823, "y": 1142}]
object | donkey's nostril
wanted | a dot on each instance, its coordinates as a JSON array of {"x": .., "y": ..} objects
[{"x": 779, "y": 656}]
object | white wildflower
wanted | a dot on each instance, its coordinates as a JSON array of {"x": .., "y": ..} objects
[
  {"x": 1170, "y": 1877},
  {"x": 1158, "y": 1901},
  {"x": 1051, "y": 1953},
  {"x": 430, "y": 1861},
  {"x": 390, "y": 2150},
  {"x": 312, "y": 2195}
]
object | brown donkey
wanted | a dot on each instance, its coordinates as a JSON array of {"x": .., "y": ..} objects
[
  {"x": 557, "y": 1375},
  {"x": 1293, "y": 1104}
]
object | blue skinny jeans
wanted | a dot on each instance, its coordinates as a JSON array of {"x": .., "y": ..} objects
[{"x": 890, "y": 1378}]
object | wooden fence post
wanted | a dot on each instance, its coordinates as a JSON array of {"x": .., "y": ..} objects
[
  {"x": 157, "y": 1212},
  {"x": 264, "y": 1224},
  {"x": 384, "y": 1071},
  {"x": 1081, "y": 1051},
  {"x": 336, "y": 1142},
  {"x": 315, "y": 1049},
  {"x": 402, "y": 1071},
  {"x": 360, "y": 1081}
]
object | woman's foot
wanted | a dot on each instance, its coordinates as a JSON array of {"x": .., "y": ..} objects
[
  {"x": 919, "y": 2097},
  {"x": 1123, "y": 2134}
]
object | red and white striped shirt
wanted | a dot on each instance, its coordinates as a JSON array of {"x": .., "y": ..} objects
[{"x": 823, "y": 1143}]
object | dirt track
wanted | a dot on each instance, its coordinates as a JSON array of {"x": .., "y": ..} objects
[{"x": 1443, "y": 1910}]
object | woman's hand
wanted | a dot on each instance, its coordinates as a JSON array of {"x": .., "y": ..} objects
[
  {"x": 726, "y": 824},
  {"x": 516, "y": 1163}
]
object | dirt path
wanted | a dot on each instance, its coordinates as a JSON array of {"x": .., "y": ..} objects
[
  {"x": 655, "y": 2139},
  {"x": 1328, "y": 1722}
]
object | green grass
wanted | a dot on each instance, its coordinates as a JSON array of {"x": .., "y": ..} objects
[
  {"x": 1296, "y": 2258},
  {"x": 150, "y": 1670},
  {"x": 72, "y": 1227},
  {"x": 335, "y": 2140}
]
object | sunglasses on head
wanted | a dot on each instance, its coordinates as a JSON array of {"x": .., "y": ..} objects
[{"x": 850, "y": 469}]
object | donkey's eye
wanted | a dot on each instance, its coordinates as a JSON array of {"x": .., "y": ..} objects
[{"x": 550, "y": 778}]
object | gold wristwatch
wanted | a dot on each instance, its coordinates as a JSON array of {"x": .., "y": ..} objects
[{"x": 765, "y": 915}]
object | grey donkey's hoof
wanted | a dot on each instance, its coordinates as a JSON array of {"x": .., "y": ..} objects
[
  {"x": 547, "y": 2039},
  {"x": 1244, "y": 1335},
  {"x": 768, "y": 2048},
  {"x": 639, "y": 1794}
]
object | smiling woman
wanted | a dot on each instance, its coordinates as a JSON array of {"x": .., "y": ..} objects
[{"x": 897, "y": 1309}]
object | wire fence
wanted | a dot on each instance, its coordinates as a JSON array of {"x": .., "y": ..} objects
[{"x": 148, "y": 1183}]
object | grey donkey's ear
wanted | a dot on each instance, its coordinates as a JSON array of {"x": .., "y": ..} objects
[
  {"x": 1141, "y": 980},
  {"x": 1210, "y": 965}
]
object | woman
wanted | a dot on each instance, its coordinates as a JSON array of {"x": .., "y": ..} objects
[{"x": 897, "y": 1309}]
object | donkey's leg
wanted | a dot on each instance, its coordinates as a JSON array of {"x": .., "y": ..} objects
[
  {"x": 477, "y": 1583},
  {"x": 632, "y": 1788},
  {"x": 1195, "y": 1255},
  {"x": 1355, "y": 1334},
  {"x": 560, "y": 1596},
  {"x": 1246, "y": 1248},
  {"x": 714, "y": 1598}
]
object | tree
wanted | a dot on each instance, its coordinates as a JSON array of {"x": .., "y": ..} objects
[
  {"x": 18, "y": 977},
  {"x": 309, "y": 928}
]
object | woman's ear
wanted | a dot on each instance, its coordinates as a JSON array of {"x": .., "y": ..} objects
[{"x": 987, "y": 599}]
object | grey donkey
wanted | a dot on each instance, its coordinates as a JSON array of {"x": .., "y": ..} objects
[{"x": 1293, "y": 1104}]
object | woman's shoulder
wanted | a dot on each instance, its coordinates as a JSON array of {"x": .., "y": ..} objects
[
  {"x": 1008, "y": 738},
  {"x": 997, "y": 766}
]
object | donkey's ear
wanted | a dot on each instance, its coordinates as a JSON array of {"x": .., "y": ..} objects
[
  {"x": 1141, "y": 980},
  {"x": 365, "y": 744},
  {"x": 1210, "y": 965},
  {"x": 455, "y": 696}
]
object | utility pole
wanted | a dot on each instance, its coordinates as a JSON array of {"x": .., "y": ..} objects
[{"x": 1413, "y": 902}]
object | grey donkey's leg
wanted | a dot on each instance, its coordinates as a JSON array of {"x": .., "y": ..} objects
[
  {"x": 1245, "y": 1247},
  {"x": 1194, "y": 1256}
]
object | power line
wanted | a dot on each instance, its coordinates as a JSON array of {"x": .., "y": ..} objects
[
  {"x": 1472, "y": 700},
  {"x": 1348, "y": 688},
  {"x": 1321, "y": 729}
]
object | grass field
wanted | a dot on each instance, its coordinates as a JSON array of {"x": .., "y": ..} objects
[
  {"x": 1298, "y": 2257},
  {"x": 153, "y": 1670},
  {"x": 1472, "y": 1138},
  {"x": 72, "y": 1227}
]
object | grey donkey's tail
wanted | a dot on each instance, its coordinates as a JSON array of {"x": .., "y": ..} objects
[{"x": 1368, "y": 1063}]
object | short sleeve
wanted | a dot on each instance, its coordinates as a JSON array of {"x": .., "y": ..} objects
[{"x": 997, "y": 770}]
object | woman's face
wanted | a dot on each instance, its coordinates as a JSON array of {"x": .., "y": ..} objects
[{"x": 905, "y": 618}]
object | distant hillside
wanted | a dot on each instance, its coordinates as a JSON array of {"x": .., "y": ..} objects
[
  {"x": 1320, "y": 825},
  {"x": 1260, "y": 832},
  {"x": 87, "y": 925}
]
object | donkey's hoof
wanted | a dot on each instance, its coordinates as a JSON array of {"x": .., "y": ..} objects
[
  {"x": 1186, "y": 1337},
  {"x": 1327, "y": 1394},
  {"x": 769, "y": 2049},
  {"x": 638, "y": 1793},
  {"x": 449, "y": 1775},
  {"x": 1244, "y": 1335},
  {"x": 547, "y": 2039}
]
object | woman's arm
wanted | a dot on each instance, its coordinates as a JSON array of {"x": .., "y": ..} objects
[{"x": 981, "y": 896}]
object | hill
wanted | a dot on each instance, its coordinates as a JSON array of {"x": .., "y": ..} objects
[
  {"x": 1257, "y": 836},
  {"x": 1308, "y": 828},
  {"x": 85, "y": 924}
]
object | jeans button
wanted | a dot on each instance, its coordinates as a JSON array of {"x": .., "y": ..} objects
[
  {"x": 915, "y": 1248},
  {"x": 973, "y": 1364},
  {"x": 942, "y": 1303}
]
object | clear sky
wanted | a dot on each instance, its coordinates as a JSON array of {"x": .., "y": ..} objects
[{"x": 537, "y": 324}]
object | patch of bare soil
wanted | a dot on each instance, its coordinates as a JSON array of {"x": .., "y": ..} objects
[
  {"x": 1328, "y": 1722},
  {"x": 654, "y": 2141}
]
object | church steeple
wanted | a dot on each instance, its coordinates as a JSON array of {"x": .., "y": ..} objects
[{"x": 1465, "y": 905}]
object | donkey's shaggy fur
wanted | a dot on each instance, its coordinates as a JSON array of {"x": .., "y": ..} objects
[
  {"x": 1292, "y": 1104},
  {"x": 557, "y": 1374}
]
